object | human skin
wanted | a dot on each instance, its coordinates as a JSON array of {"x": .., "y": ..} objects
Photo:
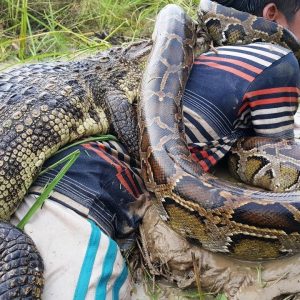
[{"x": 272, "y": 13}]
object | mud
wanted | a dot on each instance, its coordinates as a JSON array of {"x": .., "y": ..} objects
[{"x": 170, "y": 256}]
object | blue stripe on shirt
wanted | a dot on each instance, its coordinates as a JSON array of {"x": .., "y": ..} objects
[
  {"x": 272, "y": 116},
  {"x": 276, "y": 105},
  {"x": 88, "y": 263},
  {"x": 119, "y": 282},
  {"x": 107, "y": 269}
]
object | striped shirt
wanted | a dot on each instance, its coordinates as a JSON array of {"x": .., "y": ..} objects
[
  {"x": 103, "y": 185},
  {"x": 239, "y": 91},
  {"x": 92, "y": 213}
]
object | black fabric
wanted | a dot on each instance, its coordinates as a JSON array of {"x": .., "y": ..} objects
[{"x": 243, "y": 5}]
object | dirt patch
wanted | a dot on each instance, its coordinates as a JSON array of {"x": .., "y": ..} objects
[{"x": 171, "y": 257}]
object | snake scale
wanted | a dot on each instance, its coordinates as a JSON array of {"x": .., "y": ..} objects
[
  {"x": 45, "y": 106},
  {"x": 215, "y": 214}
]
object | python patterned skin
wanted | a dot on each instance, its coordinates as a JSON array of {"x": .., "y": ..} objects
[
  {"x": 219, "y": 216},
  {"x": 45, "y": 106},
  {"x": 257, "y": 162}
]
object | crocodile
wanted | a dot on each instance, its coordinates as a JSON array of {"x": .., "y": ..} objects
[
  {"x": 43, "y": 107},
  {"x": 47, "y": 105}
]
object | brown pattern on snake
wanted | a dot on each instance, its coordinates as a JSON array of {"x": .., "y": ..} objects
[
  {"x": 226, "y": 26},
  {"x": 221, "y": 217},
  {"x": 257, "y": 162}
]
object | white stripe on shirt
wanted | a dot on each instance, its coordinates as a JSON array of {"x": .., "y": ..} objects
[
  {"x": 253, "y": 50},
  {"x": 273, "y": 110},
  {"x": 271, "y": 131},
  {"x": 245, "y": 56},
  {"x": 200, "y": 122},
  {"x": 271, "y": 47},
  {"x": 272, "y": 120}
]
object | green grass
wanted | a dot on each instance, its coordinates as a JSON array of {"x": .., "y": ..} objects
[
  {"x": 68, "y": 160},
  {"x": 39, "y": 30}
]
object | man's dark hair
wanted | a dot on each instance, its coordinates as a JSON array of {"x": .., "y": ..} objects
[{"x": 288, "y": 7}]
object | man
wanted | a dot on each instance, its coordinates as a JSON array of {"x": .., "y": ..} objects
[
  {"x": 101, "y": 199},
  {"x": 239, "y": 90},
  {"x": 232, "y": 91},
  {"x": 285, "y": 13}
]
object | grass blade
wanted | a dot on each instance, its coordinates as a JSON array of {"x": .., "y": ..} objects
[
  {"x": 23, "y": 30},
  {"x": 70, "y": 158}
]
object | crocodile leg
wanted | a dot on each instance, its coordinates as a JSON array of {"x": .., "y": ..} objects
[
  {"x": 122, "y": 117},
  {"x": 21, "y": 266}
]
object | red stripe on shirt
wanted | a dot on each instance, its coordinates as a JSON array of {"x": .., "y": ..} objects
[
  {"x": 243, "y": 108},
  {"x": 204, "y": 157},
  {"x": 204, "y": 166},
  {"x": 125, "y": 167},
  {"x": 118, "y": 167},
  {"x": 199, "y": 161},
  {"x": 129, "y": 176},
  {"x": 273, "y": 101},
  {"x": 232, "y": 61},
  {"x": 111, "y": 155},
  {"x": 203, "y": 153},
  {"x": 227, "y": 69},
  {"x": 212, "y": 160},
  {"x": 287, "y": 89}
]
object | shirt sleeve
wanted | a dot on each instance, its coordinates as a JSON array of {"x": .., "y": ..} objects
[{"x": 272, "y": 98}]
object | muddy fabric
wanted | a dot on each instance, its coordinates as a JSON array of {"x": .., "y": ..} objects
[{"x": 169, "y": 255}]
